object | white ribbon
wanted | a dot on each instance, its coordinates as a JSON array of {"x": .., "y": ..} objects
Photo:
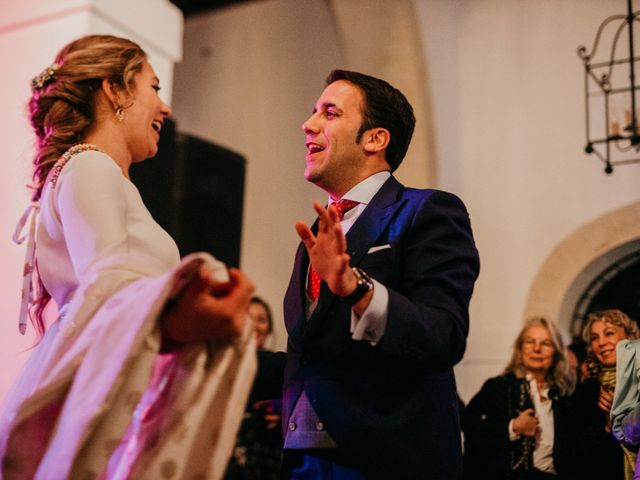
[{"x": 27, "y": 280}]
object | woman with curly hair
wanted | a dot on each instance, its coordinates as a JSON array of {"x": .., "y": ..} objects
[
  {"x": 596, "y": 453},
  {"x": 515, "y": 426},
  {"x": 144, "y": 371}
]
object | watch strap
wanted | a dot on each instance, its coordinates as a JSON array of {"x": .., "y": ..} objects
[{"x": 363, "y": 285}]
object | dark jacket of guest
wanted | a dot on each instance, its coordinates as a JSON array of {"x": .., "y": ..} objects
[
  {"x": 595, "y": 452},
  {"x": 489, "y": 453}
]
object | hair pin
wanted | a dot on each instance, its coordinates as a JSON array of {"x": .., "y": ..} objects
[{"x": 39, "y": 81}]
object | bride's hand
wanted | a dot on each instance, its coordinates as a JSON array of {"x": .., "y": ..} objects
[{"x": 207, "y": 310}]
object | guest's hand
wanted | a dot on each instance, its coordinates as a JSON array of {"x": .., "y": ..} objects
[
  {"x": 526, "y": 423},
  {"x": 269, "y": 415},
  {"x": 207, "y": 310},
  {"x": 605, "y": 400},
  {"x": 328, "y": 250}
]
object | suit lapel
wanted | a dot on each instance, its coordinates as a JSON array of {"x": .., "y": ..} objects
[{"x": 373, "y": 221}]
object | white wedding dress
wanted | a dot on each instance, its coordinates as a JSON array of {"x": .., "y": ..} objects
[{"x": 98, "y": 398}]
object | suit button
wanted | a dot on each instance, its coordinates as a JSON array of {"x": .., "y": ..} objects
[
  {"x": 292, "y": 426},
  {"x": 319, "y": 426},
  {"x": 304, "y": 360}
]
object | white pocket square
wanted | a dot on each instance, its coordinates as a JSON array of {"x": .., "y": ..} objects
[{"x": 379, "y": 247}]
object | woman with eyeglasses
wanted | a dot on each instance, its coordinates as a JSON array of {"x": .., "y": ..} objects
[
  {"x": 596, "y": 452},
  {"x": 516, "y": 427}
]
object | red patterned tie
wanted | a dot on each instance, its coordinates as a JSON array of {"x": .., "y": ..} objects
[{"x": 313, "y": 282}]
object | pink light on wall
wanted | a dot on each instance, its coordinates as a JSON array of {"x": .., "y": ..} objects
[{"x": 29, "y": 39}]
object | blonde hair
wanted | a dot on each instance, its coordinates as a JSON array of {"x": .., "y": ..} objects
[
  {"x": 62, "y": 109},
  {"x": 614, "y": 317},
  {"x": 560, "y": 376}
]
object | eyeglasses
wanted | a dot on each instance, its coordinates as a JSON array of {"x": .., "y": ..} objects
[{"x": 531, "y": 342}]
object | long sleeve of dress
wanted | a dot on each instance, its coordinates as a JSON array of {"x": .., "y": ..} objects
[{"x": 92, "y": 206}]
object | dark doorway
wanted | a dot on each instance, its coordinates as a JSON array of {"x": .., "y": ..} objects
[{"x": 616, "y": 287}]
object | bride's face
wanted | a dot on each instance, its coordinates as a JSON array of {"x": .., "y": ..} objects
[{"x": 143, "y": 119}]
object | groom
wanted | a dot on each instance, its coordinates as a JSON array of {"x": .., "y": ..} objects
[{"x": 377, "y": 319}]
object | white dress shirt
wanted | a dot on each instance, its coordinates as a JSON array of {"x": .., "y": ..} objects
[{"x": 372, "y": 324}]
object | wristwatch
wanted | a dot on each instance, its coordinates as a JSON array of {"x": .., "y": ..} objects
[{"x": 363, "y": 285}]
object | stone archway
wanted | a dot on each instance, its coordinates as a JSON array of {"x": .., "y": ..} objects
[{"x": 580, "y": 258}]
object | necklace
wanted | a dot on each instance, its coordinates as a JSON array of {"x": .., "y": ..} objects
[{"x": 66, "y": 156}]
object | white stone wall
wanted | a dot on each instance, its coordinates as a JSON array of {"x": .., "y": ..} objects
[{"x": 510, "y": 138}]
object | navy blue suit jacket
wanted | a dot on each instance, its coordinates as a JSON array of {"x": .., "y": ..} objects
[{"x": 391, "y": 407}]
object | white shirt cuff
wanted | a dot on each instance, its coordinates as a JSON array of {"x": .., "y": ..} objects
[{"x": 372, "y": 324}]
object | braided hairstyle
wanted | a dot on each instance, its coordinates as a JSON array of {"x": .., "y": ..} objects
[
  {"x": 62, "y": 110},
  {"x": 62, "y": 106}
]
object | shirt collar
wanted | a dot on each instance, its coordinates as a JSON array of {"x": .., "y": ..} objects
[
  {"x": 364, "y": 191},
  {"x": 534, "y": 385}
]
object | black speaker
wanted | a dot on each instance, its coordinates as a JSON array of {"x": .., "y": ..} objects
[
  {"x": 158, "y": 182},
  {"x": 195, "y": 189}
]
